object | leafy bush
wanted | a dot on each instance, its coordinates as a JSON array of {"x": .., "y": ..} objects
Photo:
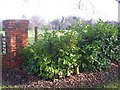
[
  {"x": 83, "y": 48},
  {"x": 53, "y": 54},
  {"x": 97, "y": 45}
]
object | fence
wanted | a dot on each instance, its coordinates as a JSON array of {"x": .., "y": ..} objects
[
  {"x": 0, "y": 44},
  {"x": 3, "y": 45},
  {"x": 0, "y": 60}
]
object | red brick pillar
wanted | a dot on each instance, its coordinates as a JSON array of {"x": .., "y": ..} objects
[{"x": 16, "y": 32}]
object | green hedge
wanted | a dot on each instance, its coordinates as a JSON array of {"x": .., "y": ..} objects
[{"x": 83, "y": 48}]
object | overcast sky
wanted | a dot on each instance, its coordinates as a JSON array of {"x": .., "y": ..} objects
[{"x": 50, "y": 9}]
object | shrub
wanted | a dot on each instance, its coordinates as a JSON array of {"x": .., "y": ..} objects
[
  {"x": 53, "y": 54},
  {"x": 83, "y": 48},
  {"x": 97, "y": 45}
]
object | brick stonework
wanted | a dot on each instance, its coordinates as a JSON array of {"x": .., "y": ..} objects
[{"x": 16, "y": 33}]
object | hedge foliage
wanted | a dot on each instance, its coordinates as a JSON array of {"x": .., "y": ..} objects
[{"x": 82, "y": 48}]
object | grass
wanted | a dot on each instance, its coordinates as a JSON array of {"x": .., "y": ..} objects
[
  {"x": 2, "y": 32},
  {"x": 8, "y": 87},
  {"x": 112, "y": 84},
  {"x": 31, "y": 36}
]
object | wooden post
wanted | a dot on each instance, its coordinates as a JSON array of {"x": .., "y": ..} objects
[
  {"x": 0, "y": 59},
  {"x": 119, "y": 11},
  {"x": 36, "y": 33},
  {"x": 0, "y": 44}
]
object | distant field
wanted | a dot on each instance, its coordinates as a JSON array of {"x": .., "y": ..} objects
[
  {"x": 31, "y": 35},
  {"x": 2, "y": 32}
]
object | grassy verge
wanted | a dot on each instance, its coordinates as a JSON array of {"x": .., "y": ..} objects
[
  {"x": 7, "y": 87},
  {"x": 112, "y": 84}
]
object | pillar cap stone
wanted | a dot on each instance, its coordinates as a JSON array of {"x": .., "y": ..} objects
[
  {"x": 10, "y": 21},
  {"x": 11, "y": 24}
]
